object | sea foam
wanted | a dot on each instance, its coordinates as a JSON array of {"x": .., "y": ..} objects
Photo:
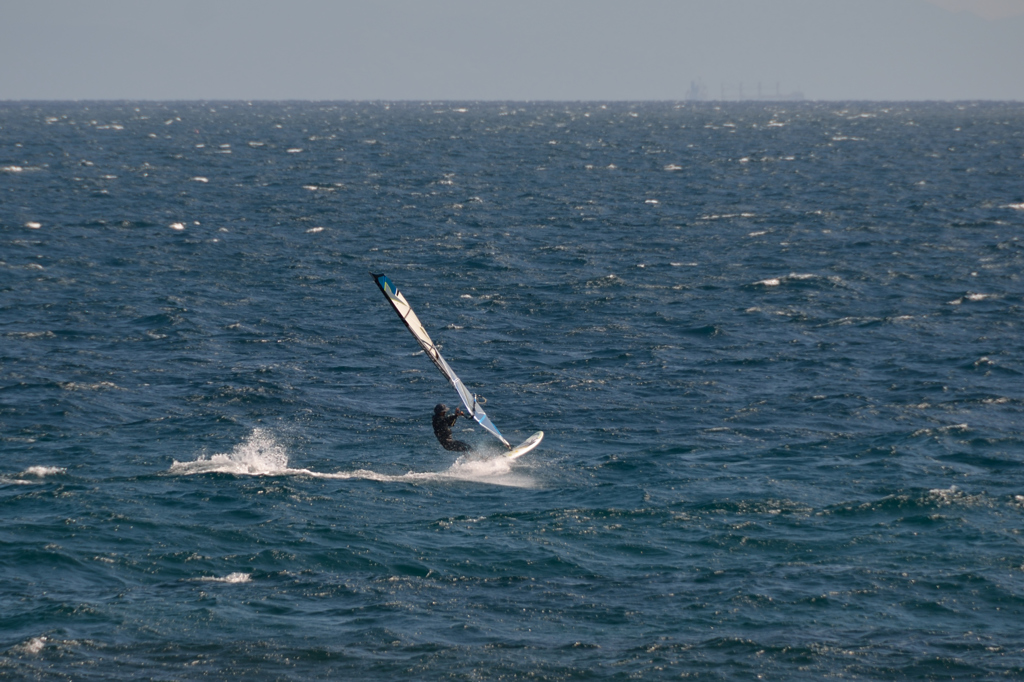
[
  {"x": 258, "y": 455},
  {"x": 229, "y": 578},
  {"x": 261, "y": 455}
]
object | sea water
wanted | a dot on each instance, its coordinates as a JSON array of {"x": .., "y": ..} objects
[{"x": 776, "y": 350}]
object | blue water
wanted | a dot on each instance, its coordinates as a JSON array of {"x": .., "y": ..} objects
[{"x": 776, "y": 351}]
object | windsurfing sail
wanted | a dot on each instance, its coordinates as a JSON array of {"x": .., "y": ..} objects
[{"x": 404, "y": 310}]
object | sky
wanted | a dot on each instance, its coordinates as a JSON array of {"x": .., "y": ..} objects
[{"x": 510, "y": 49}]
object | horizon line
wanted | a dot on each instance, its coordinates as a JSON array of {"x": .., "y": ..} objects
[{"x": 805, "y": 100}]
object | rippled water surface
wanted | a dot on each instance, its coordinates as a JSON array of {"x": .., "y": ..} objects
[{"x": 776, "y": 351}]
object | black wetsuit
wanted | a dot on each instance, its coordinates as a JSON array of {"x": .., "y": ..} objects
[{"x": 443, "y": 430}]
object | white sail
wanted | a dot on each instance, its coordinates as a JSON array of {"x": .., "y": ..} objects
[{"x": 405, "y": 312}]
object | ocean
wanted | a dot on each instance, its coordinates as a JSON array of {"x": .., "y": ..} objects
[{"x": 776, "y": 349}]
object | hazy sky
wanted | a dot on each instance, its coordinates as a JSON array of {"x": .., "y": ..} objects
[{"x": 510, "y": 49}]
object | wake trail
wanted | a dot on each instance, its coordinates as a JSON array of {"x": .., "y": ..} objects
[{"x": 261, "y": 455}]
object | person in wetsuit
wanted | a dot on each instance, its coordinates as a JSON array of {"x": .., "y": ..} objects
[{"x": 443, "y": 428}]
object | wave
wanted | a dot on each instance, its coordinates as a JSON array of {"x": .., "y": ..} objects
[
  {"x": 261, "y": 455},
  {"x": 925, "y": 500},
  {"x": 32, "y": 646},
  {"x": 229, "y": 578},
  {"x": 40, "y": 472},
  {"x": 37, "y": 473},
  {"x": 801, "y": 279}
]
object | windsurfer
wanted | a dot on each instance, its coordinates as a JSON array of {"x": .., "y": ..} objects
[{"x": 443, "y": 424}]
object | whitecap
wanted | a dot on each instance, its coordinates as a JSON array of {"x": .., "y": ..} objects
[
  {"x": 954, "y": 495},
  {"x": 1017, "y": 207},
  {"x": 314, "y": 230},
  {"x": 969, "y": 297},
  {"x": 177, "y": 226},
  {"x": 33, "y": 646},
  {"x": 942, "y": 429},
  {"x": 773, "y": 282},
  {"x": 97, "y": 386},
  {"x": 11, "y": 169},
  {"x": 33, "y": 225},
  {"x": 31, "y": 335},
  {"x": 33, "y": 473},
  {"x": 295, "y": 150},
  {"x": 41, "y": 471},
  {"x": 229, "y": 578},
  {"x": 200, "y": 178}
]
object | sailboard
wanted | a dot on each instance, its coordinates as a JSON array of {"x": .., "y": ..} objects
[
  {"x": 527, "y": 445},
  {"x": 404, "y": 310}
]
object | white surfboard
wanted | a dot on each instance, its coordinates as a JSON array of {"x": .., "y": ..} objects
[{"x": 527, "y": 445}]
